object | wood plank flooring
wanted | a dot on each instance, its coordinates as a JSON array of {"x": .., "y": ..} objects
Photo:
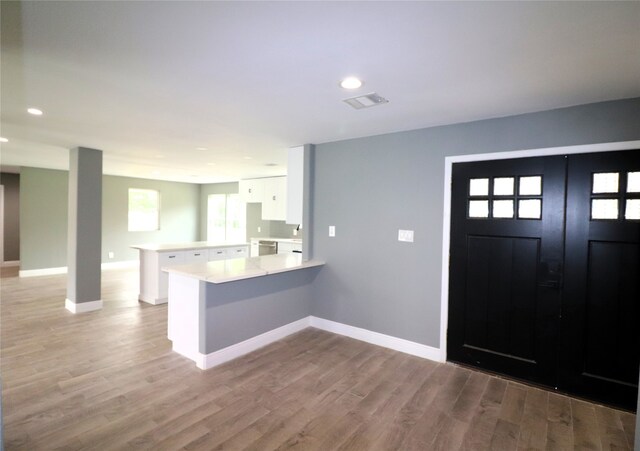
[{"x": 109, "y": 380}]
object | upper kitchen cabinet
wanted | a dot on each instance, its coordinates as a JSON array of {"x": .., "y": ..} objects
[
  {"x": 295, "y": 184},
  {"x": 251, "y": 190},
  {"x": 274, "y": 203}
]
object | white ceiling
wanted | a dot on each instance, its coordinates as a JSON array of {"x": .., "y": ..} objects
[{"x": 149, "y": 82}]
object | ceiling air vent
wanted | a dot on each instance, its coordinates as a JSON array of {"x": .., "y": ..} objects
[{"x": 366, "y": 101}]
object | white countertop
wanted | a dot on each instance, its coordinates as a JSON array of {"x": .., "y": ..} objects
[
  {"x": 222, "y": 271},
  {"x": 184, "y": 246}
]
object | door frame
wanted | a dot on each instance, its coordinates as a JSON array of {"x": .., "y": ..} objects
[{"x": 446, "y": 214}]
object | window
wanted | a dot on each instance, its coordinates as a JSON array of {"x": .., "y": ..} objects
[
  {"x": 500, "y": 193},
  {"x": 144, "y": 210},
  {"x": 226, "y": 218}
]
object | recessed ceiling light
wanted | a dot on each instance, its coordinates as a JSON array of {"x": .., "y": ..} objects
[
  {"x": 34, "y": 111},
  {"x": 3, "y": 140},
  {"x": 351, "y": 83},
  {"x": 211, "y": 164},
  {"x": 247, "y": 158},
  {"x": 201, "y": 148}
]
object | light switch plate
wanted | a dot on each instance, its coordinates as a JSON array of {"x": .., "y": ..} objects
[
  {"x": 332, "y": 231},
  {"x": 405, "y": 235}
]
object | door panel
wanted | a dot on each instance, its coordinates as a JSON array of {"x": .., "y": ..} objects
[
  {"x": 551, "y": 299},
  {"x": 600, "y": 341},
  {"x": 504, "y": 298},
  {"x": 501, "y": 284}
]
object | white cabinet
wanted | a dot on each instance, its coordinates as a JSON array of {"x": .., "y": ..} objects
[
  {"x": 287, "y": 247},
  {"x": 195, "y": 256},
  {"x": 274, "y": 203},
  {"x": 218, "y": 253},
  {"x": 295, "y": 184},
  {"x": 171, "y": 258},
  {"x": 228, "y": 252},
  {"x": 154, "y": 281},
  {"x": 271, "y": 192},
  {"x": 255, "y": 248},
  {"x": 237, "y": 252},
  {"x": 251, "y": 190}
]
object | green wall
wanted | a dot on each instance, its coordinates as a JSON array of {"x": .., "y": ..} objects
[{"x": 43, "y": 217}]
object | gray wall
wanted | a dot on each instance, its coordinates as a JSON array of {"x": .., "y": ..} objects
[
  {"x": 371, "y": 187},
  {"x": 43, "y": 216},
  {"x": 237, "y": 311},
  {"x": 11, "y": 184}
]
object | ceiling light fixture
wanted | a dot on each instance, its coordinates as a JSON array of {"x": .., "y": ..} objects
[
  {"x": 211, "y": 164},
  {"x": 34, "y": 111},
  {"x": 247, "y": 158},
  {"x": 351, "y": 83},
  {"x": 3, "y": 140},
  {"x": 201, "y": 148}
]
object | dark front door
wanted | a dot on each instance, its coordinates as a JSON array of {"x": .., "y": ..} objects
[{"x": 544, "y": 271}]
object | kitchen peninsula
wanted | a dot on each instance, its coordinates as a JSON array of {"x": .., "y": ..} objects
[
  {"x": 221, "y": 310},
  {"x": 153, "y": 282}
]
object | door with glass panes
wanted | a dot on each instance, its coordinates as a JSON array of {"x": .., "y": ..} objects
[{"x": 545, "y": 271}]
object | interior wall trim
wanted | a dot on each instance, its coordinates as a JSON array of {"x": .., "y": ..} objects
[
  {"x": 207, "y": 361},
  {"x": 63, "y": 269},
  {"x": 446, "y": 214},
  {"x": 82, "y": 307},
  {"x": 11, "y": 263},
  {"x": 376, "y": 338}
]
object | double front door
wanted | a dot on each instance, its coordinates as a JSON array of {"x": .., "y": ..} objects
[{"x": 545, "y": 271}]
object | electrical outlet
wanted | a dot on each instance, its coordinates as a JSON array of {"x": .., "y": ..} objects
[
  {"x": 332, "y": 231},
  {"x": 112, "y": 254},
  {"x": 259, "y": 229},
  {"x": 405, "y": 235},
  {"x": 295, "y": 232}
]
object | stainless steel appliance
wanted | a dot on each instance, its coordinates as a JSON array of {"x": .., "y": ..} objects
[{"x": 267, "y": 247}]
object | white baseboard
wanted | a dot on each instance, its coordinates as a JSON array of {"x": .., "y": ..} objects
[
  {"x": 42, "y": 272},
  {"x": 63, "y": 269},
  {"x": 206, "y": 361},
  {"x": 11, "y": 263},
  {"x": 153, "y": 301},
  {"x": 376, "y": 338},
  {"x": 82, "y": 307},
  {"x": 120, "y": 265}
]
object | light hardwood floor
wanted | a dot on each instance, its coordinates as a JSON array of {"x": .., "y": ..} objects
[{"x": 109, "y": 380}]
